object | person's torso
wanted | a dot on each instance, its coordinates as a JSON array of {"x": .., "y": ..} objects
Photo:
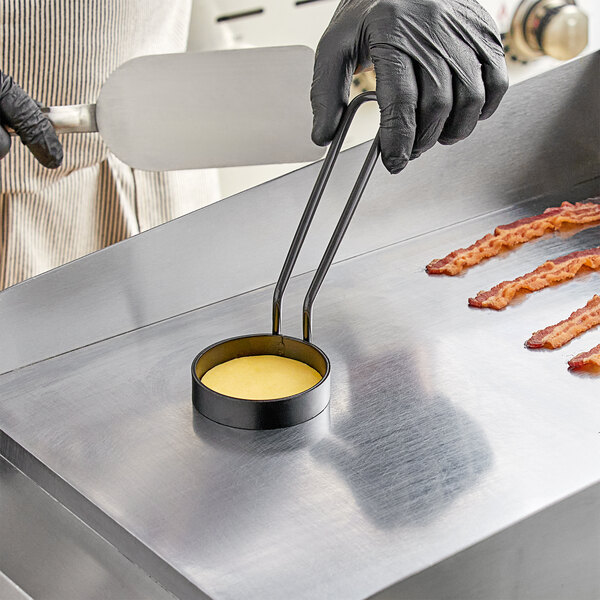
[{"x": 61, "y": 51}]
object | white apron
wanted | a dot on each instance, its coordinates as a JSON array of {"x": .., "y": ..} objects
[{"x": 60, "y": 52}]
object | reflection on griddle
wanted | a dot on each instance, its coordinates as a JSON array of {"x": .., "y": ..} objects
[
  {"x": 407, "y": 462},
  {"x": 270, "y": 441}
]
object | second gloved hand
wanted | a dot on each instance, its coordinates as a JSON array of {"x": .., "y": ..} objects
[
  {"x": 439, "y": 67},
  {"x": 20, "y": 112}
]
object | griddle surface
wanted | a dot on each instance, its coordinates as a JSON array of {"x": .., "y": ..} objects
[{"x": 443, "y": 428}]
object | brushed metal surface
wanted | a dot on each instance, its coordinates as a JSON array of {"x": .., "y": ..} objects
[
  {"x": 48, "y": 553},
  {"x": 222, "y": 108},
  {"x": 552, "y": 555},
  {"x": 443, "y": 429},
  {"x": 543, "y": 140}
]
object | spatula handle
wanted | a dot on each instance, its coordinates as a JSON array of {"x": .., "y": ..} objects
[{"x": 77, "y": 118}]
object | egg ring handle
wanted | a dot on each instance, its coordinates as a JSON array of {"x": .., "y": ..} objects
[{"x": 309, "y": 212}]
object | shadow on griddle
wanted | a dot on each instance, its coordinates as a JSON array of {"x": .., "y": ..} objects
[{"x": 407, "y": 463}]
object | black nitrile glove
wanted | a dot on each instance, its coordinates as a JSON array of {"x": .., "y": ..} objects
[
  {"x": 20, "y": 112},
  {"x": 439, "y": 67}
]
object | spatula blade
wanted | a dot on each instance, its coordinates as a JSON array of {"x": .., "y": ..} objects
[{"x": 210, "y": 109}]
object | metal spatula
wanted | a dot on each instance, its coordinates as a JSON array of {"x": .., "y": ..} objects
[{"x": 207, "y": 109}]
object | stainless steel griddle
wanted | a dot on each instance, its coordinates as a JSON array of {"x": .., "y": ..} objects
[{"x": 452, "y": 460}]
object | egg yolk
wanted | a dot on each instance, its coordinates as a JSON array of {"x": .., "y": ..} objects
[{"x": 263, "y": 377}]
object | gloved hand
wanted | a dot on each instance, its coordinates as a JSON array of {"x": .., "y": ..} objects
[
  {"x": 21, "y": 113},
  {"x": 439, "y": 67}
]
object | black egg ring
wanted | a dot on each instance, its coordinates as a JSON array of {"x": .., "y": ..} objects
[{"x": 261, "y": 414}]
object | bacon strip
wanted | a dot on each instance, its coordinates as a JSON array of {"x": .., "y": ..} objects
[
  {"x": 513, "y": 234},
  {"x": 591, "y": 357},
  {"x": 551, "y": 272},
  {"x": 558, "y": 335}
]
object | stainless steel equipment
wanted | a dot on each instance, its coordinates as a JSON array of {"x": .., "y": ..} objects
[
  {"x": 451, "y": 462},
  {"x": 284, "y": 412},
  {"x": 557, "y": 28}
]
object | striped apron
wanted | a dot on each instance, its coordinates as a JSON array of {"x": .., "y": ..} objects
[{"x": 60, "y": 52}]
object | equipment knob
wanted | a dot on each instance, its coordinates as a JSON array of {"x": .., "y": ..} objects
[{"x": 558, "y": 28}]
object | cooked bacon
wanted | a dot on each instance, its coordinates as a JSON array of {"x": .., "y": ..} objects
[
  {"x": 591, "y": 357},
  {"x": 558, "y": 335},
  {"x": 551, "y": 272},
  {"x": 513, "y": 234}
]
